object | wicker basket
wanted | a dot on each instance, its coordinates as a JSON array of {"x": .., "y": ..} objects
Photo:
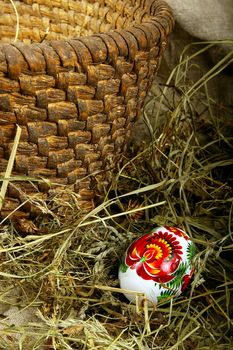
[{"x": 74, "y": 75}]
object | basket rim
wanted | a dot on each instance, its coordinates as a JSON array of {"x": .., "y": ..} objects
[{"x": 150, "y": 32}]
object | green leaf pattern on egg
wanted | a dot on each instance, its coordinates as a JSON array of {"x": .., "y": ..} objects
[
  {"x": 123, "y": 266},
  {"x": 191, "y": 251},
  {"x": 178, "y": 276},
  {"x": 166, "y": 294}
]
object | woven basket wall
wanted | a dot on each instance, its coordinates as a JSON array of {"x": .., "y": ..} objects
[{"x": 74, "y": 76}]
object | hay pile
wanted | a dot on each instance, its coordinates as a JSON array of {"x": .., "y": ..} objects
[{"x": 60, "y": 279}]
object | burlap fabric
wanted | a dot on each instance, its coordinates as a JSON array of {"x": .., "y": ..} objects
[{"x": 204, "y": 20}]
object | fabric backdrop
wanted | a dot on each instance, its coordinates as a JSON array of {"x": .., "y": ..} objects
[{"x": 204, "y": 20}]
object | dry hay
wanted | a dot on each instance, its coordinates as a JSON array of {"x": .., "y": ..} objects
[{"x": 65, "y": 268}]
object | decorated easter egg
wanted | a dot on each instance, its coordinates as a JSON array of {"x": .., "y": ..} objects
[{"x": 158, "y": 264}]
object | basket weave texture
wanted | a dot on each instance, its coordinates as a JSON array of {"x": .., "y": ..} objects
[{"x": 74, "y": 76}]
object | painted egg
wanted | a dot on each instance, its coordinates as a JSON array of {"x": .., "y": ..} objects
[{"x": 158, "y": 264}]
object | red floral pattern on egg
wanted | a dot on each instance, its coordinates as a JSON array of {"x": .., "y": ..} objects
[
  {"x": 186, "y": 281},
  {"x": 155, "y": 256},
  {"x": 177, "y": 232}
]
